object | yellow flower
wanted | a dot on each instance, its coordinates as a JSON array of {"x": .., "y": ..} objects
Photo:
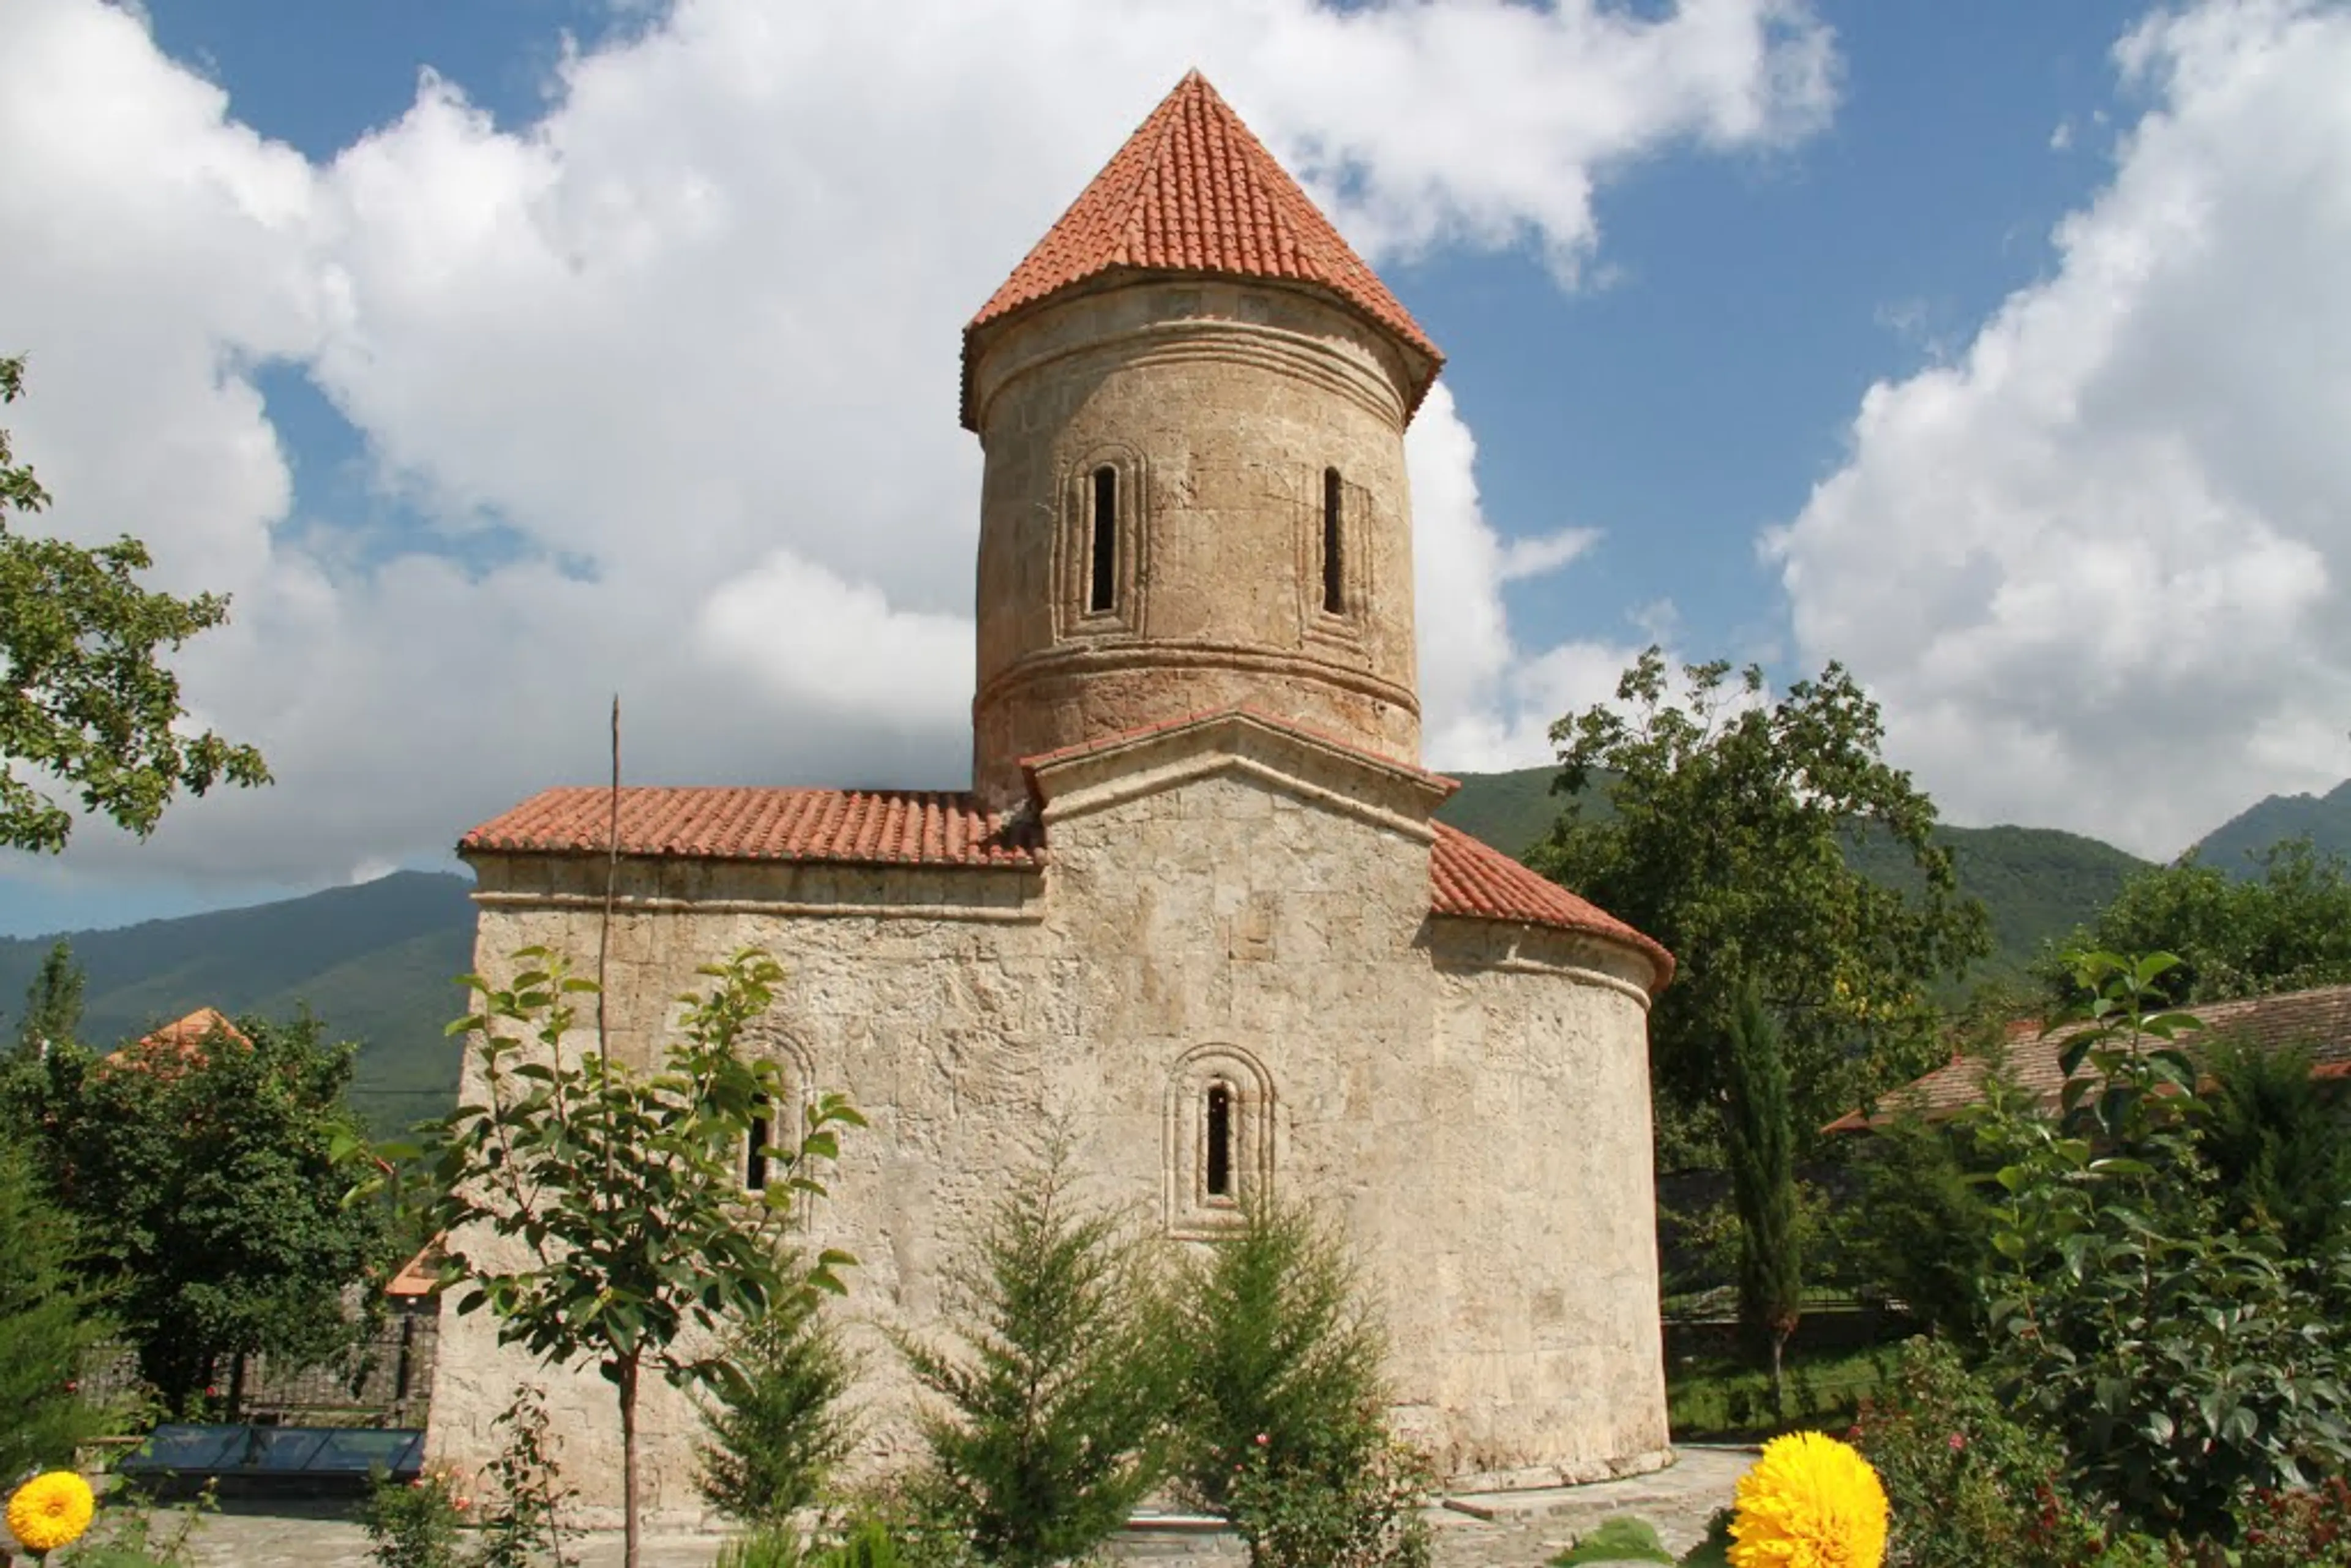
[
  {"x": 49, "y": 1511},
  {"x": 1809, "y": 1502}
]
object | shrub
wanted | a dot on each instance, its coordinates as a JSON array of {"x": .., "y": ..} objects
[
  {"x": 1967, "y": 1483},
  {"x": 1281, "y": 1351},
  {"x": 776, "y": 1429},
  {"x": 1305, "y": 1511},
  {"x": 50, "y": 1323},
  {"x": 1054, "y": 1423},
  {"x": 2295, "y": 1528},
  {"x": 2182, "y": 1363},
  {"x": 413, "y": 1523},
  {"x": 521, "y": 1517}
]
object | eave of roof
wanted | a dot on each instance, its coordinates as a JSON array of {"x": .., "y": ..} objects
[{"x": 862, "y": 827}]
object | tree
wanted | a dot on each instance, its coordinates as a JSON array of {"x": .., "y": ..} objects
[
  {"x": 622, "y": 1186},
  {"x": 2284, "y": 930},
  {"x": 52, "y": 1002},
  {"x": 1726, "y": 843},
  {"x": 1055, "y": 1420},
  {"x": 2278, "y": 1146},
  {"x": 84, "y": 702},
  {"x": 777, "y": 1428},
  {"x": 211, "y": 1178},
  {"x": 50, "y": 1321},
  {"x": 1761, "y": 1140}
]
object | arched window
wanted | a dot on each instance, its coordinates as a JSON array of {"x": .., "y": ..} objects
[
  {"x": 1334, "y": 577},
  {"x": 1220, "y": 1139},
  {"x": 761, "y": 1140},
  {"x": 1102, "y": 593},
  {"x": 1220, "y": 1183}
]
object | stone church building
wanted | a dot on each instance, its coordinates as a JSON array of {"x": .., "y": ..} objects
[{"x": 1193, "y": 903}]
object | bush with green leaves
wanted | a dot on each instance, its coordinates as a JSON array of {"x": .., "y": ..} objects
[
  {"x": 2306, "y": 1527},
  {"x": 627, "y": 1240},
  {"x": 1284, "y": 1397},
  {"x": 51, "y": 1324},
  {"x": 1050, "y": 1420},
  {"x": 2277, "y": 1143},
  {"x": 2183, "y": 1363},
  {"x": 1280, "y": 1347},
  {"x": 413, "y": 1523},
  {"x": 777, "y": 1428},
  {"x": 1303, "y": 1510},
  {"x": 1921, "y": 1231}
]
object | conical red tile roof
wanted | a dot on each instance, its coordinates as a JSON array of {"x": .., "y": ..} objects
[{"x": 1194, "y": 191}]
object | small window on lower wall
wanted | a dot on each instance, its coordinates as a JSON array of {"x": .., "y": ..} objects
[{"x": 1219, "y": 1148}]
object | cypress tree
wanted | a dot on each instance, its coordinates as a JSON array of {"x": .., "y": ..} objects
[{"x": 1760, "y": 1131}]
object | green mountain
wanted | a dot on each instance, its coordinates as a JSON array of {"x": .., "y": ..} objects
[
  {"x": 2325, "y": 819},
  {"x": 2036, "y": 883},
  {"x": 374, "y": 963}
]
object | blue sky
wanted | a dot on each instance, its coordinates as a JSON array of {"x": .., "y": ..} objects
[{"x": 497, "y": 355}]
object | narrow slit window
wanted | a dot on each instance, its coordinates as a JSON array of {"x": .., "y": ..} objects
[
  {"x": 1221, "y": 1141},
  {"x": 1103, "y": 591},
  {"x": 755, "y": 1156},
  {"x": 1335, "y": 596}
]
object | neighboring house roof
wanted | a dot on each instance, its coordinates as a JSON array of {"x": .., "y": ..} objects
[
  {"x": 421, "y": 1275},
  {"x": 2319, "y": 1019},
  {"x": 1194, "y": 191},
  {"x": 859, "y": 827},
  {"x": 179, "y": 1042}
]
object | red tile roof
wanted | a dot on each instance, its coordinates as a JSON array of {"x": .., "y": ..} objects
[
  {"x": 2320, "y": 1019},
  {"x": 1474, "y": 879},
  {"x": 177, "y": 1043},
  {"x": 1194, "y": 191},
  {"x": 863, "y": 827}
]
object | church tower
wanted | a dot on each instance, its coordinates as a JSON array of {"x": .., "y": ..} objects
[{"x": 1192, "y": 397}]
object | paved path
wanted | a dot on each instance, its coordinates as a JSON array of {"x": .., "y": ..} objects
[{"x": 1514, "y": 1530}]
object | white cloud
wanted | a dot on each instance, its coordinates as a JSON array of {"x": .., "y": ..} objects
[
  {"x": 687, "y": 346},
  {"x": 2096, "y": 568}
]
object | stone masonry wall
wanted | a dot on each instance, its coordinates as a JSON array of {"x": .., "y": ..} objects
[{"x": 1471, "y": 1102}]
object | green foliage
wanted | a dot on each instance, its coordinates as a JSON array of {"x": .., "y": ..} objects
[
  {"x": 517, "y": 1515},
  {"x": 866, "y": 1544},
  {"x": 1280, "y": 1349},
  {"x": 2285, "y": 929},
  {"x": 213, "y": 1183},
  {"x": 413, "y": 1523},
  {"x": 1053, "y": 1423},
  {"x": 1921, "y": 1231},
  {"x": 636, "y": 1239},
  {"x": 1301, "y": 1510},
  {"x": 1968, "y": 1484},
  {"x": 84, "y": 700},
  {"x": 2305, "y": 1528},
  {"x": 1727, "y": 846},
  {"x": 128, "y": 1537},
  {"x": 50, "y": 1322},
  {"x": 777, "y": 1428},
  {"x": 521, "y": 1519},
  {"x": 1619, "y": 1539},
  {"x": 52, "y": 1002},
  {"x": 1761, "y": 1140},
  {"x": 2278, "y": 1146},
  {"x": 2183, "y": 1363},
  {"x": 1716, "y": 1398}
]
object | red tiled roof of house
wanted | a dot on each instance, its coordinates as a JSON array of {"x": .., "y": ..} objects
[
  {"x": 179, "y": 1042},
  {"x": 2320, "y": 1019},
  {"x": 1194, "y": 191},
  {"x": 1475, "y": 880},
  {"x": 421, "y": 1275},
  {"x": 863, "y": 827}
]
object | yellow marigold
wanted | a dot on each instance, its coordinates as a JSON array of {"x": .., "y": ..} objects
[
  {"x": 1809, "y": 1502},
  {"x": 49, "y": 1511}
]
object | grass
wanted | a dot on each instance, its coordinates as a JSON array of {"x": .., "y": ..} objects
[{"x": 1716, "y": 1398}]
